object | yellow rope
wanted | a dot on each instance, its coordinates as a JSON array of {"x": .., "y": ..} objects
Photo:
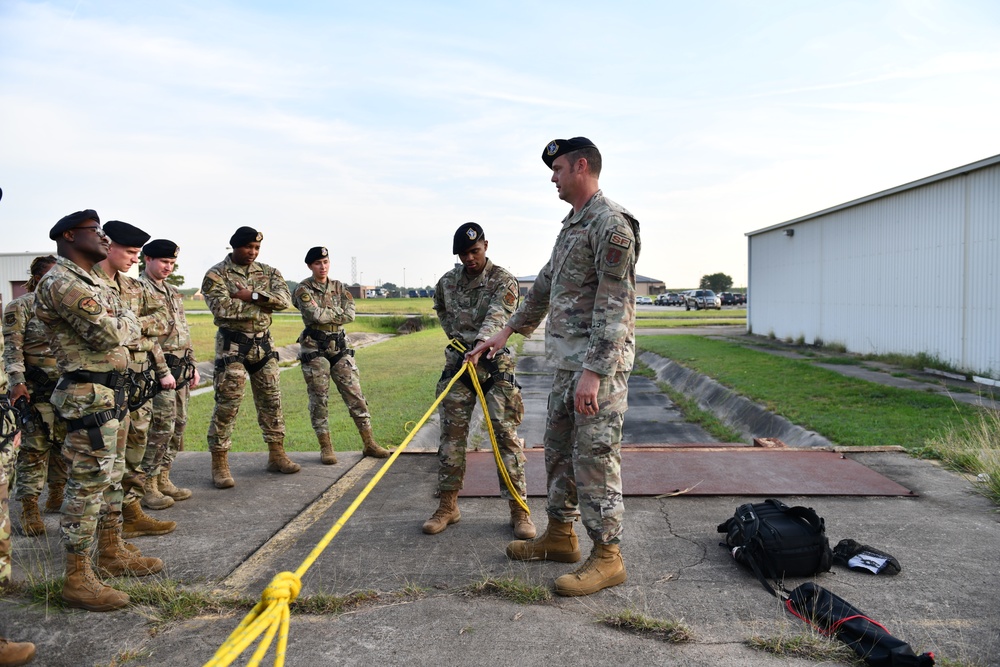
[{"x": 271, "y": 614}]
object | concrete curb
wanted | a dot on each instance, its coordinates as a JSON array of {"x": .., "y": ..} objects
[{"x": 752, "y": 420}]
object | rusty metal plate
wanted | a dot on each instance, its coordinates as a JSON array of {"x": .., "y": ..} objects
[{"x": 749, "y": 471}]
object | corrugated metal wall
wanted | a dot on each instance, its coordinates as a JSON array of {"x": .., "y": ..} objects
[
  {"x": 914, "y": 271},
  {"x": 14, "y": 268}
]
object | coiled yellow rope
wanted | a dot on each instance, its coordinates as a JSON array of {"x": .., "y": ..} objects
[{"x": 271, "y": 615}]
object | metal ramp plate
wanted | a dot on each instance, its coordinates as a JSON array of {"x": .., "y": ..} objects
[{"x": 710, "y": 471}]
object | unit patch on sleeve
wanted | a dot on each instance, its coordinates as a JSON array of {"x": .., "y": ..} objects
[
  {"x": 306, "y": 297},
  {"x": 89, "y": 305},
  {"x": 10, "y": 319},
  {"x": 614, "y": 257},
  {"x": 620, "y": 240},
  {"x": 510, "y": 298}
]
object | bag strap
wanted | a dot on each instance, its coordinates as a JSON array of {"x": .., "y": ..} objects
[{"x": 749, "y": 524}]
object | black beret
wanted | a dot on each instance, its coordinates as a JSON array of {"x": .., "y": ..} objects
[
  {"x": 319, "y": 252},
  {"x": 73, "y": 220},
  {"x": 466, "y": 237},
  {"x": 559, "y": 147},
  {"x": 161, "y": 248},
  {"x": 125, "y": 234},
  {"x": 245, "y": 236}
]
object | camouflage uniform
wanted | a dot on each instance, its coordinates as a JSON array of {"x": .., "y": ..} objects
[
  {"x": 166, "y": 431},
  {"x": 146, "y": 356},
  {"x": 473, "y": 309},
  {"x": 89, "y": 330},
  {"x": 588, "y": 289},
  {"x": 30, "y": 360},
  {"x": 325, "y": 307},
  {"x": 249, "y": 322},
  {"x": 8, "y": 429}
]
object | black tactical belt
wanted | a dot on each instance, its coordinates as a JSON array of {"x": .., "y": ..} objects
[
  {"x": 182, "y": 368},
  {"x": 41, "y": 385},
  {"x": 493, "y": 374},
  {"x": 120, "y": 383},
  {"x": 323, "y": 340},
  {"x": 244, "y": 344}
]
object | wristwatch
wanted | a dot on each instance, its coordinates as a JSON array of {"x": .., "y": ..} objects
[{"x": 255, "y": 296}]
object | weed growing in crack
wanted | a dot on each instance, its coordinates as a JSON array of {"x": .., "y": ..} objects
[
  {"x": 640, "y": 624},
  {"x": 332, "y": 604},
  {"x": 510, "y": 588},
  {"x": 807, "y": 645}
]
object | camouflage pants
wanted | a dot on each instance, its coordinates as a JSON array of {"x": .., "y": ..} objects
[
  {"x": 229, "y": 385},
  {"x": 94, "y": 487},
  {"x": 40, "y": 458},
  {"x": 135, "y": 453},
  {"x": 583, "y": 461},
  {"x": 166, "y": 431},
  {"x": 345, "y": 375},
  {"x": 7, "y": 456},
  {"x": 506, "y": 410}
]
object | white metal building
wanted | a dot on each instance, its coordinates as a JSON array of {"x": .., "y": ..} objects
[
  {"x": 913, "y": 269},
  {"x": 14, "y": 272}
]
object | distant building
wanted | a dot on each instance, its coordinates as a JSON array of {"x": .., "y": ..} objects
[
  {"x": 644, "y": 285},
  {"x": 14, "y": 272},
  {"x": 910, "y": 270}
]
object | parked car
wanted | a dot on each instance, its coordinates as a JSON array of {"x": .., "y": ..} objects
[
  {"x": 741, "y": 298},
  {"x": 412, "y": 294},
  {"x": 423, "y": 293},
  {"x": 643, "y": 301},
  {"x": 669, "y": 299},
  {"x": 727, "y": 298},
  {"x": 702, "y": 298}
]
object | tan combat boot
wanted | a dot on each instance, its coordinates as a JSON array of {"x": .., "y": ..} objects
[
  {"x": 372, "y": 448},
  {"x": 83, "y": 590},
  {"x": 137, "y": 523},
  {"x": 326, "y": 455},
  {"x": 558, "y": 543},
  {"x": 54, "y": 501},
  {"x": 603, "y": 569},
  {"x": 278, "y": 461},
  {"x": 520, "y": 521},
  {"x": 31, "y": 520},
  {"x": 167, "y": 487},
  {"x": 152, "y": 498},
  {"x": 446, "y": 514},
  {"x": 221, "y": 476},
  {"x": 115, "y": 560},
  {"x": 13, "y": 654}
]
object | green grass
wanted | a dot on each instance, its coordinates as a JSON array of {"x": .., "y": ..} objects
[
  {"x": 735, "y": 313},
  {"x": 846, "y": 410},
  {"x": 510, "y": 588},
  {"x": 808, "y": 646},
  {"x": 974, "y": 448},
  {"x": 672, "y": 323},
  {"x": 674, "y": 632},
  {"x": 399, "y": 377},
  {"x": 361, "y": 306},
  {"x": 285, "y": 329}
]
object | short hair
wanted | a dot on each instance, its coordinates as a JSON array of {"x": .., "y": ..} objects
[{"x": 591, "y": 155}]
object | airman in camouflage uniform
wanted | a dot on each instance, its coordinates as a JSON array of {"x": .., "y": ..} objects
[
  {"x": 588, "y": 290},
  {"x": 325, "y": 355},
  {"x": 166, "y": 431},
  {"x": 89, "y": 331},
  {"x": 149, "y": 373},
  {"x": 31, "y": 366},
  {"x": 242, "y": 293},
  {"x": 473, "y": 301},
  {"x": 11, "y": 653}
]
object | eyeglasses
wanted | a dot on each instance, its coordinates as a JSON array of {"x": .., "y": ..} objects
[{"x": 97, "y": 230}]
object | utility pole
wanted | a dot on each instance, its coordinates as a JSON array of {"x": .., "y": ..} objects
[{"x": 354, "y": 270}]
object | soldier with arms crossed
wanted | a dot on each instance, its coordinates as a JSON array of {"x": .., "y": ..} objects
[
  {"x": 242, "y": 293},
  {"x": 326, "y": 306},
  {"x": 587, "y": 288},
  {"x": 89, "y": 332}
]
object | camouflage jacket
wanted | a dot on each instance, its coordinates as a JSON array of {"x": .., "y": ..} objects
[
  {"x": 475, "y": 308},
  {"x": 27, "y": 340},
  {"x": 324, "y": 306},
  {"x": 177, "y": 337},
  {"x": 588, "y": 290},
  {"x": 227, "y": 277},
  {"x": 89, "y": 329},
  {"x": 8, "y": 420},
  {"x": 151, "y": 314}
]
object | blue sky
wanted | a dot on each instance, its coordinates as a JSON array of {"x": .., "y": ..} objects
[{"x": 377, "y": 128}]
